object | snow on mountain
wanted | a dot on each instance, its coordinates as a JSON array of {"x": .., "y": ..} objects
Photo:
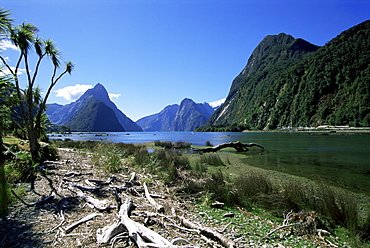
[{"x": 218, "y": 103}]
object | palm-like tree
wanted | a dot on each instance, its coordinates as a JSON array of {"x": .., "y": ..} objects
[{"x": 24, "y": 37}]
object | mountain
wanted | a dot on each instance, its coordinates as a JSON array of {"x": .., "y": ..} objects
[
  {"x": 184, "y": 117},
  {"x": 85, "y": 113},
  {"x": 161, "y": 121},
  {"x": 290, "y": 82},
  {"x": 88, "y": 118},
  {"x": 191, "y": 115},
  {"x": 216, "y": 104}
]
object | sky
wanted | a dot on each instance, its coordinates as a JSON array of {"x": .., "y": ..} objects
[{"x": 149, "y": 54}]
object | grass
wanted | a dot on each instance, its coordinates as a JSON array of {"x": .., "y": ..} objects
[
  {"x": 212, "y": 159},
  {"x": 237, "y": 185},
  {"x": 170, "y": 145}
]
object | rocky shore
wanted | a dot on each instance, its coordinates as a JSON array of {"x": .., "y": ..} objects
[{"x": 70, "y": 218}]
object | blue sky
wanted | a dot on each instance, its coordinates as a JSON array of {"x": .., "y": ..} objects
[{"x": 149, "y": 54}]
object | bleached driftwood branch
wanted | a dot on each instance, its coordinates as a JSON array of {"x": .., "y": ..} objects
[
  {"x": 79, "y": 222},
  {"x": 157, "y": 206},
  {"x": 225, "y": 241}
]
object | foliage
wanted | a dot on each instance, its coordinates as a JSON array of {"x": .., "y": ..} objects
[
  {"x": 109, "y": 156},
  {"x": 289, "y": 82},
  {"x": 170, "y": 145},
  {"x": 169, "y": 164},
  {"x": 29, "y": 115},
  {"x": 208, "y": 143},
  {"x": 223, "y": 128},
  {"x": 73, "y": 144},
  {"x": 211, "y": 159}
]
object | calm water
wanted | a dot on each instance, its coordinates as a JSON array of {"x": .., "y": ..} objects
[{"x": 341, "y": 158}]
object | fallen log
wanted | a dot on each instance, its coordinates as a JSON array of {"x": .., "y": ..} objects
[
  {"x": 137, "y": 232},
  {"x": 38, "y": 203},
  {"x": 107, "y": 233},
  {"x": 208, "y": 232},
  {"x": 100, "y": 205},
  {"x": 83, "y": 220},
  {"x": 238, "y": 146}
]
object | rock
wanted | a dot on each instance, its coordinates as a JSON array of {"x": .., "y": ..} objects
[
  {"x": 229, "y": 215},
  {"x": 217, "y": 205}
]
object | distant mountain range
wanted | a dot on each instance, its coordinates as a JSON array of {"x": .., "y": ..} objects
[
  {"x": 184, "y": 117},
  {"x": 286, "y": 82},
  {"x": 291, "y": 82},
  {"x": 92, "y": 112}
]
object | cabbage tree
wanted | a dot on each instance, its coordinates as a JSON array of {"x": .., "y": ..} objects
[{"x": 32, "y": 106}]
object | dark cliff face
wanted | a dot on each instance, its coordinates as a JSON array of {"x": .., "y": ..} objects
[
  {"x": 290, "y": 82},
  {"x": 184, "y": 117},
  {"x": 63, "y": 115}
]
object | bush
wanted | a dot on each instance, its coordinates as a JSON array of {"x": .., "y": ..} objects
[
  {"x": 141, "y": 156},
  {"x": 170, "y": 145},
  {"x": 211, "y": 159},
  {"x": 222, "y": 189},
  {"x": 107, "y": 157},
  {"x": 252, "y": 186},
  {"x": 200, "y": 167},
  {"x": 169, "y": 163},
  {"x": 47, "y": 152},
  {"x": 208, "y": 143},
  {"x": 74, "y": 144}
]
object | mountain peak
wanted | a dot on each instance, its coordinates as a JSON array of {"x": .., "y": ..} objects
[
  {"x": 98, "y": 93},
  {"x": 99, "y": 86}
]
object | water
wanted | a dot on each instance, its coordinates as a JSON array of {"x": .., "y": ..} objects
[{"x": 342, "y": 159}]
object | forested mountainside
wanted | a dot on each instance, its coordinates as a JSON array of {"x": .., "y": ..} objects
[
  {"x": 85, "y": 113},
  {"x": 184, "y": 117},
  {"x": 94, "y": 116},
  {"x": 290, "y": 82}
]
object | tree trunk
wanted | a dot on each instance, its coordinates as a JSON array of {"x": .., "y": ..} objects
[{"x": 240, "y": 147}]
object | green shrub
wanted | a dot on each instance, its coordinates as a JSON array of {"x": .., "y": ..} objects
[
  {"x": 47, "y": 152},
  {"x": 170, "y": 145},
  {"x": 251, "y": 187},
  {"x": 208, "y": 143},
  {"x": 211, "y": 159},
  {"x": 165, "y": 144},
  {"x": 107, "y": 156},
  {"x": 199, "y": 167},
  {"x": 222, "y": 189},
  {"x": 339, "y": 206},
  {"x": 141, "y": 157},
  {"x": 169, "y": 163}
]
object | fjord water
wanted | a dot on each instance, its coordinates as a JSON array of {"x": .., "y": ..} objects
[{"x": 341, "y": 158}]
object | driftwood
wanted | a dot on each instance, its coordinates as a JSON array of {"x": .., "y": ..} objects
[
  {"x": 137, "y": 232},
  {"x": 46, "y": 199},
  {"x": 107, "y": 233},
  {"x": 100, "y": 205},
  {"x": 157, "y": 206},
  {"x": 306, "y": 220},
  {"x": 238, "y": 146},
  {"x": 60, "y": 224},
  {"x": 84, "y": 188},
  {"x": 83, "y": 220},
  {"x": 208, "y": 232},
  {"x": 142, "y": 236}
]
